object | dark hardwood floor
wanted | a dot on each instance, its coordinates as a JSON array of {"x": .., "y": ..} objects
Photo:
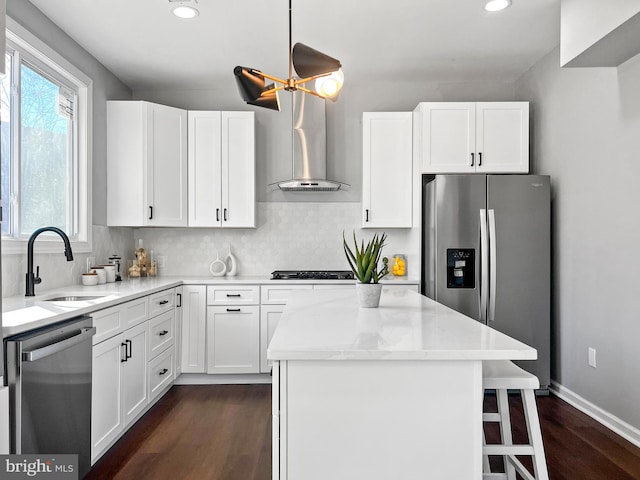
[{"x": 223, "y": 432}]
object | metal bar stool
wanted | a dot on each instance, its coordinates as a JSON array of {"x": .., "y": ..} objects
[{"x": 501, "y": 376}]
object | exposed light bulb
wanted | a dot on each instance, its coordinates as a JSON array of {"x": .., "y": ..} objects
[
  {"x": 185, "y": 11},
  {"x": 329, "y": 85},
  {"x": 496, "y": 5}
]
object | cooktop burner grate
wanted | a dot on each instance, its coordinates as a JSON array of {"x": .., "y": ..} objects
[{"x": 312, "y": 275}]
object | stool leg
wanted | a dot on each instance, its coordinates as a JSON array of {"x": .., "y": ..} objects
[
  {"x": 535, "y": 435},
  {"x": 505, "y": 429},
  {"x": 486, "y": 468}
]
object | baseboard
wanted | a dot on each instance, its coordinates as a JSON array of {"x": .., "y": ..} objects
[
  {"x": 205, "y": 379},
  {"x": 613, "y": 423}
]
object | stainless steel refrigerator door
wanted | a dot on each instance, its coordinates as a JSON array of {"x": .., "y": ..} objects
[
  {"x": 452, "y": 221},
  {"x": 520, "y": 207}
]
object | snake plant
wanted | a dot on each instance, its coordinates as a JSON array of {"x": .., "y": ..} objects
[{"x": 364, "y": 262}]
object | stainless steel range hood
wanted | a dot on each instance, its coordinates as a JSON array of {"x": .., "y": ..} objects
[{"x": 309, "y": 172}]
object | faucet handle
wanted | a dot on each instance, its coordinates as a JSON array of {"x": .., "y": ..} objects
[{"x": 37, "y": 279}]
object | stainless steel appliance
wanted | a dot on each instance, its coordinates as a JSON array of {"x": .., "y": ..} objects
[
  {"x": 312, "y": 275},
  {"x": 486, "y": 241},
  {"x": 49, "y": 378}
]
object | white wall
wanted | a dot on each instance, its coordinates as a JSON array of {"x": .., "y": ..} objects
[{"x": 585, "y": 130}]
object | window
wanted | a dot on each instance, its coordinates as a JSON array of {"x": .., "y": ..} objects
[{"x": 44, "y": 181}]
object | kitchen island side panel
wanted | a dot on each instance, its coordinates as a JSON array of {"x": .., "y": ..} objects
[{"x": 379, "y": 420}]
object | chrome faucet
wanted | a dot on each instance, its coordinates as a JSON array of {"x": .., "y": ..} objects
[{"x": 33, "y": 280}]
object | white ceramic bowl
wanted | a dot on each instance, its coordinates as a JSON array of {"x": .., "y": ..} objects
[{"x": 89, "y": 279}]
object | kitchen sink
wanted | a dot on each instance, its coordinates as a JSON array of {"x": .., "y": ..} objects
[{"x": 73, "y": 298}]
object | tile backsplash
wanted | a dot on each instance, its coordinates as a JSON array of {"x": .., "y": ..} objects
[{"x": 289, "y": 236}]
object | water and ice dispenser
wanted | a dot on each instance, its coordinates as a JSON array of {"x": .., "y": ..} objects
[{"x": 461, "y": 267}]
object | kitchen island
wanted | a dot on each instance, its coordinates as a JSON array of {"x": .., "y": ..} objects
[{"x": 391, "y": 392}]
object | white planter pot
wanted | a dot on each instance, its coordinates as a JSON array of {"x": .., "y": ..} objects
[{"x": 369, "y": 294}]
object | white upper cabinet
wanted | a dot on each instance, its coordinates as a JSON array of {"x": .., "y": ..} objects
[
  {"x": 387, "y": 170},
  {"x": 468, "y": 137},
  {"x": 146, "y": 164},
  {"x": 221, "y": 169}
]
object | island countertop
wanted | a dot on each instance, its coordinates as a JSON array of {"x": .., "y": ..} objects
[{"x": 329, "y": 325}]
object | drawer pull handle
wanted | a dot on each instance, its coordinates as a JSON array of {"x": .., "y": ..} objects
[
  {"x": 233, "y": 309},
  {"x": 163, "y": 371},
  {"x": 163, "y": 302},
  {"x": 233, "y": 295},
  {"x": 123, "y": 358},
  {"x": 163, "y": 333}
]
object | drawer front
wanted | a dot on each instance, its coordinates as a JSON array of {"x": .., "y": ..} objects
[
  {"x": 161, "y": 373},
  {"x": 279, "y": 294},
  {"x": 162, "y": 333},
  {"x": 162, "y": 302},
  {"x": 108, "y": 322},
  {"x": 238, "y": 295},
  {"x": 135, "y": 312}
]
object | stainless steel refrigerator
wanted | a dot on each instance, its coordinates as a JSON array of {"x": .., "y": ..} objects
[{"x": 486, "y": 242}]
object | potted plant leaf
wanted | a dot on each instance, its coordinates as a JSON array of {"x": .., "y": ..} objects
[{"x": 364, "y": 261}]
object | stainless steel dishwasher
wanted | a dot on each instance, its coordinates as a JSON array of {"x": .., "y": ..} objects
[{"x": 49, "y": 378}]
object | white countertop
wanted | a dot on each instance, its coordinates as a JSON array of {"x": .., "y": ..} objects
[
  {"x": 329, "y": 325},
  {"x": 20, "y": 313}
]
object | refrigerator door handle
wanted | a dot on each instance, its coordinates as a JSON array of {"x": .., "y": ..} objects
[
  {"x": 484, "y": 265},
  {"x": 492, "y": 265}
]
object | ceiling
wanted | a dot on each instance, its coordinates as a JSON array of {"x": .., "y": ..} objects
[{"x": 148, "y": 48}]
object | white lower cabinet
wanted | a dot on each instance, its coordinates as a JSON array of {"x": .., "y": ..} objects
[
  {"x": 194, "y": 324},
  {"x": 119, "y": 391},
  {"x": 133, "y": 363},
  {"x": 233, "y": 339},
  {"x": 161, "y": 372}
]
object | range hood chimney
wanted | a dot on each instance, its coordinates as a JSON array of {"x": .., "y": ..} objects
[{"x": 309, "y": 147}]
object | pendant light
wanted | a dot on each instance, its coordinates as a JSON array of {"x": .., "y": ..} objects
[{"x": 310, "y": 65}]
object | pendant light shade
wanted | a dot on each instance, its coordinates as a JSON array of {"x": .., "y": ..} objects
[
  {"x": 310, "y": 65},
  {"x": 309, "y": 62},
  {"x": 253, "y": 91}
]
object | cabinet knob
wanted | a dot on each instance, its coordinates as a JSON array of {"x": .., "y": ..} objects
[
  {"x": 163, "y": 371},
  {"x": 163, "y": 333},
  {"x": 163, "y": 302}
]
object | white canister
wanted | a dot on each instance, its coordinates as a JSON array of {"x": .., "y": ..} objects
[
  {"x": 102, "y": 274},
  {"x": 110, "y": 270}
]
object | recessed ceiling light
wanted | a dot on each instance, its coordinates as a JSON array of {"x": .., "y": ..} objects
[
  {"x": 184, "y": 9},
  {"x": 496, "y": 5}
]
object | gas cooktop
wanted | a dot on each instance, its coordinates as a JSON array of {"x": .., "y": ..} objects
[{"x": 312, "y": 275}]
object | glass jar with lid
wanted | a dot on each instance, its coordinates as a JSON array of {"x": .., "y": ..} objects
[{"x": 399, "y": 265}]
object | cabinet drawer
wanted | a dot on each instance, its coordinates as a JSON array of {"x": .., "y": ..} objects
[
  {"x": 279, "y": 294},
  {"x": 161, "y": 302},
  {"x": 238, "y": 295},
  {"x": 160, "y": 373},
  {"x": 108, "y": 322},
  {"x": 162, "y": 333},
  {"x": 134, "y": 312}
]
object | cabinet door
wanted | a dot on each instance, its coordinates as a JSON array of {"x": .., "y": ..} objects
[
  {"x": 106, "y": 394},
  {"x": 178, "y": 341},
  {"x": 447, "y": 131},
  {"x": 194, "y": 311},
  {"x": 205, "y": 169},
  {"x": 238, "y": 169},
  {"x": 387, "y": 169},
  {"x": 502, "y": 137},
  {"x": 233, "y": 339},
  {"x": 134, "y": 371},
  {"x": 269, "y": 318},
  {"x": 166, "y": 186}
]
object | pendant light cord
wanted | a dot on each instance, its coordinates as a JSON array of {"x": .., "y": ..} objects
[{"x": 290, "y": 46}]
